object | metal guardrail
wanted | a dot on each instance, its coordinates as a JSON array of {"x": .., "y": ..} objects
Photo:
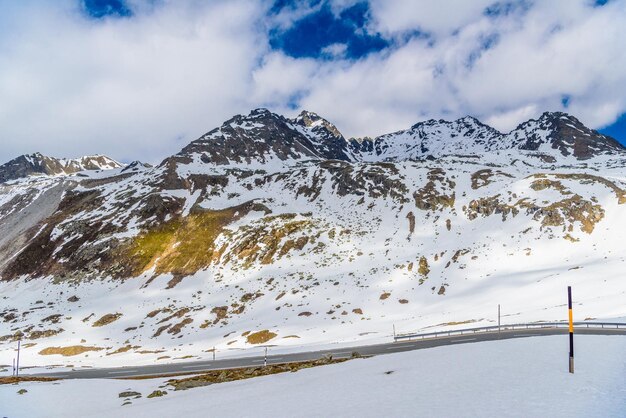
[{"x": 495, "y": 328}]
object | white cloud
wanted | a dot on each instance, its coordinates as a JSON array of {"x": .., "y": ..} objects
[
  {"x": 440, "y": 17},
  {"x": 537, "y": 64},
  {"x": 287, "y": 16},
  {"x": 505, "y": 121},
  {"x": 380, "y": 93},
  {"x": 280, "y": 78},
  {"x": 142, "y": 87},
  {"x": 537, "y": 57},
  {"x": 336, "y": 50},
  {"x": 134, "y": 88}
]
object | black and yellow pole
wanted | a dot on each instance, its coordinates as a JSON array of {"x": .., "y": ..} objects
[{"x": 571, "y": 330}]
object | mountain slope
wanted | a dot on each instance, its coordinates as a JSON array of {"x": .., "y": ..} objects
[{"x": 282, "y": 225}]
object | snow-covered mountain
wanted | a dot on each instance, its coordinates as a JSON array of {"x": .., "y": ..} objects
[
  {"x": 37, "y": 164},
  {"x": 553, "y": 136},
  {"x": 262, "y": 137},
  {"x": 282, "y": 230}
]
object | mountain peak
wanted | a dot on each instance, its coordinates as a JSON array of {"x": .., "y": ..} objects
[
  {"x": 263, "y": 136},
  {"x": 559, "y": 118},
  {"x": 260, "y": 111},
  {"x": 469, "y": 119},
  {"x": 313, "y": 120},
  {"x": 553, "y": 114},
  {"x": 309, "y": 116},
  {"x": 564, "y": 133}
]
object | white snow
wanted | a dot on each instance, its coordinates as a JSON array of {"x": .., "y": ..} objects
[{"x": 525, "y": 272}]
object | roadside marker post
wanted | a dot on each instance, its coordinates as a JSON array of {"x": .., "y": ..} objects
[
  {"x": 571, "y": 329},
  {"x": 265, "y": 358},
  {"x": 213, "y": 353},
  {"x": 498, "y": 319},
  {"x": 17, "y": 366}
]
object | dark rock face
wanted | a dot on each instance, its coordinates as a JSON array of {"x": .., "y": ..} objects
[
  {"x": 571, "y": 136},
  {"x": 377, "y": 180},
  {"x": 135, "y": 166},
  {"x": 362, "y": 145}
]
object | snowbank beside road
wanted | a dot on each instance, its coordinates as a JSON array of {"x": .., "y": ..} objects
[{"x": 524, "y": 377}]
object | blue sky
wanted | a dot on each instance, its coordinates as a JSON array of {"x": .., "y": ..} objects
[
  {"x": 99, "y": 9},
  {"x": 141, "y": 78},
  {"x": 313, "y": 34},
  {"x": 617, "y": 129}
]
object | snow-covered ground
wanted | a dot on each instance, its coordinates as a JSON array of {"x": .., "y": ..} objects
[{"x": 520, "y": 378}]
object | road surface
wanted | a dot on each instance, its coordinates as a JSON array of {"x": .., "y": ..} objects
[{"x": 365, "y": 350}]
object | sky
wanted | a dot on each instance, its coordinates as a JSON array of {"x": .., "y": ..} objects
[{"x": 139, "y": 79}]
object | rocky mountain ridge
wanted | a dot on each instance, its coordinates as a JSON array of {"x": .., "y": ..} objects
[{"x": 263, "y": 136}]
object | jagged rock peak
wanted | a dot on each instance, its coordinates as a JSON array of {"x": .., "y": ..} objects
[
  {"x": 464, "y": 122},
  {"x": 261, "y": 111},
  {"x": 258, "y": 115},
  {"x": 553, "y": 115}
]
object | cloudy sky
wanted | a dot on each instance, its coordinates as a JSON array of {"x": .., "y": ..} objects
[{"x": 139, "y": 79}]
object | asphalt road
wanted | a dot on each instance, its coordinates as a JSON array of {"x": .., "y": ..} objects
[{"x": 366, "y": 350}]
